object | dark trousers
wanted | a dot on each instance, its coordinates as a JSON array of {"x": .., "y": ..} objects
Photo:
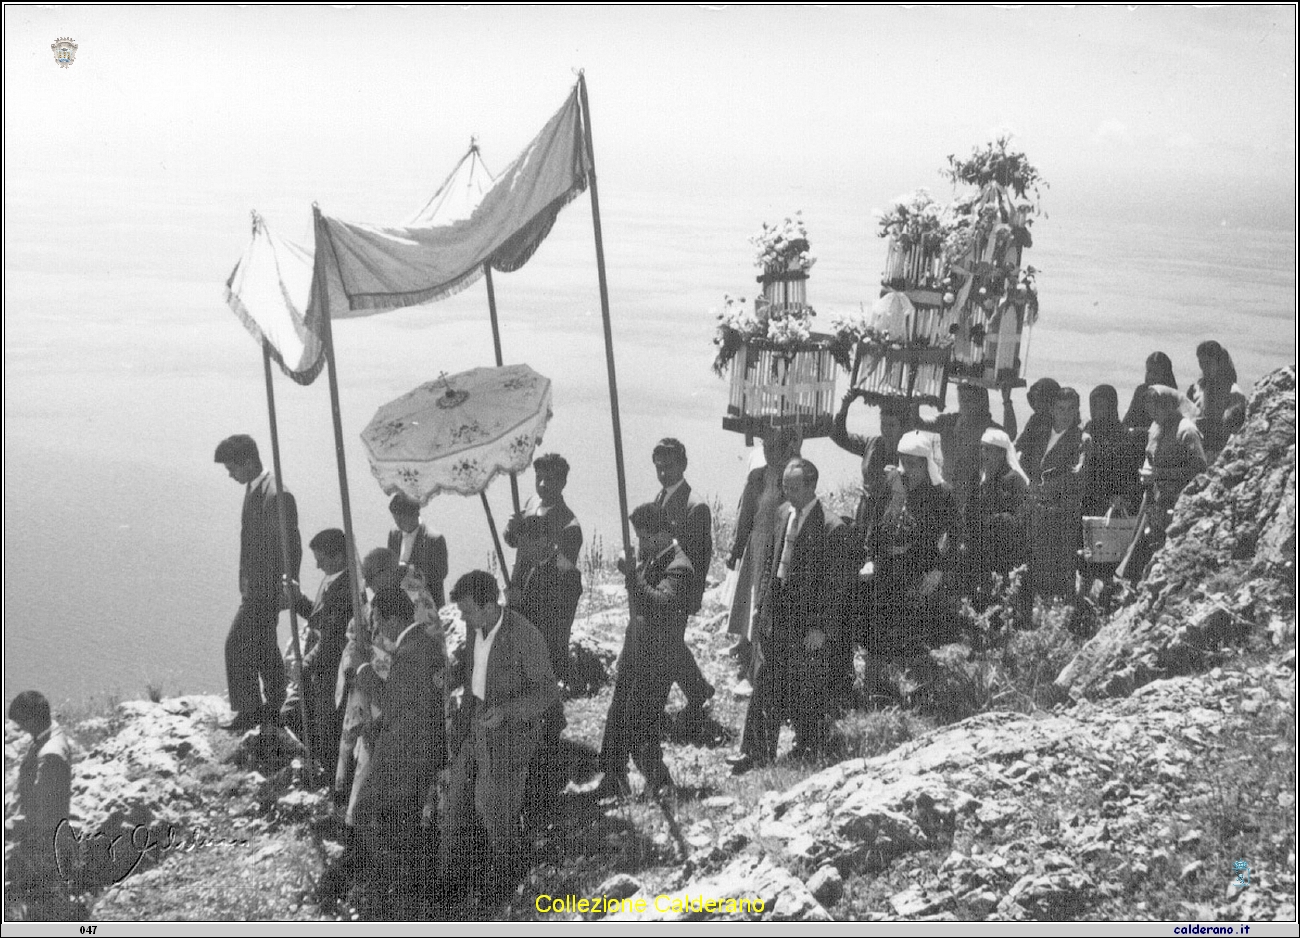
[
  {"x": 254, "y": 669},
  {"x": 634, "y": 724},
  {"x": 790, "y": 684},
  {"x": 686, "y": 673},
  {"x": 325, "y": 718}
]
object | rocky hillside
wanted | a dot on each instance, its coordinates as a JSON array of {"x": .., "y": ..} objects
[
  {"x": 1226, "y": 575},
  {"x": 1188, "y": 767},
  {"x": 1169, "y": 761}
]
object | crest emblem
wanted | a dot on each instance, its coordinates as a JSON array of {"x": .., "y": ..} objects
[{"x": 65, "y": 51}]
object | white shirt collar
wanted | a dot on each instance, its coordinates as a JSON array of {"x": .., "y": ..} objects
[
  {"x": 408, "y": 543},
  {"x": 803, "y": 514},
  {"x": 482, "y": 651},
  {"x": 257, "y": 483}
]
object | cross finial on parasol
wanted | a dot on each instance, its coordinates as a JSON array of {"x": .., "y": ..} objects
[{"x": 452, "y": 397}]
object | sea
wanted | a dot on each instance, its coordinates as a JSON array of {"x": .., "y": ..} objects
[{"x": 123, "y": 368}]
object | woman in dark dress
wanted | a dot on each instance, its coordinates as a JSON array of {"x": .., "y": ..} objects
[
  {"x": 1160, "y": 370},
  {"x": 1056, "y": 490},
  {"x": 1111, "y": 480},
  {"x": 996, "y": 516},
  {"x": 919, "y": 540},
  {"x": 1033, "y": 440},
  {"x": 1117, "y": 452},
  {"x": 1220, "y": 403}
]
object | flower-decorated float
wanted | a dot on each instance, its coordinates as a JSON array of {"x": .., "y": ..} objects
[
  {"x": 955, "y": 303},
  {"x": 782, "y": 373}
]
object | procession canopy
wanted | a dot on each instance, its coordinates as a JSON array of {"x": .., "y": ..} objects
[
  {"x": 378, "y": 268},
  {"x": 460, "y": 194},
  {"x": 268, "y": 290}
]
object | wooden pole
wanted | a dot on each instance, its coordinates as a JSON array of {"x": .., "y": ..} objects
[
  {"x": 496, "y": 348},
  {"x": 325, "y": 254},
  {"x": 290, "y": 584},
  {"x": 609, "y": 335},
  {"x": 496, "y": 541}
]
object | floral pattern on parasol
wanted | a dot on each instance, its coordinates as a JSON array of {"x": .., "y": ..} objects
[{"x": 459, "y": 432}]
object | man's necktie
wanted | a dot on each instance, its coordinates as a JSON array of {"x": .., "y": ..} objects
[
  {"x": 661, "y": 497},
  {"x": 787, "y": 549}
]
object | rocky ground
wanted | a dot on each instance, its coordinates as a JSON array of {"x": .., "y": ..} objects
[{"x": 1164, "y": 754}]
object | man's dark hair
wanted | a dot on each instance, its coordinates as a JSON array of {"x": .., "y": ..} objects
[
  {"x": 238, "y": 448},
  {"x": 394, "y": 603},
  {"x": 670, "y": 448},
  {"x": 552, "y": 464},
  {"x": 806, "y": 467},
  {"x": 30, "y": 708},
  {"x": 331, "y": 541},
  {"x": 403, "y": 504},
  {"x": 478, "y": 585}
]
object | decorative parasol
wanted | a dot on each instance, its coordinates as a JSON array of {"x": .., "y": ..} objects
[{"x": 456, "y": 434}]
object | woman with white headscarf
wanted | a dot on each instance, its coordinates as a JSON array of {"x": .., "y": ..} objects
[
  {"x": 997, "y": 514},
  {"x": 918, "y": 541}
]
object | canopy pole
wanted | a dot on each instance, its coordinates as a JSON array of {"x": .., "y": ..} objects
[
  {"x": 496, "y": 348},
  {"x": 290, "y": 584},
  {"x": 324, "y": 244},
  {"x": 609, "y": 335},
  {"x": 496, "y": 541}
]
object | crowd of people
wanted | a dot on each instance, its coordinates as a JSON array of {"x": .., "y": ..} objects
[
  {"x": 389, "y": 710},
  {"x": 948, "y": 508},
  {"x": 958, "y": 507}
]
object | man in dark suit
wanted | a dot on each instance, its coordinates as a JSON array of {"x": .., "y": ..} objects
[
  {"x": 551, "y": 475},
  {"x": 408, "y": 747},
  {"x": 40, "y": 806},
  {"x": 418, "y": 548},
  {"x": 327, "y": 634},
  {"x": 254, "y": 669},
  {"x": 799, "y": 621},
  {"x": 659, "y": 589},
  {"x": 508, "y": 685},
  {"x": 545, "y": 588},
  {"x": 691, "y": 524}
]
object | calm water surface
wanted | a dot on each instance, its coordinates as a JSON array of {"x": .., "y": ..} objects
[{"x": 123, "y": 368}]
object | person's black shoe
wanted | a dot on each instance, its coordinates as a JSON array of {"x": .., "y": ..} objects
[
  {"x": 742, "y": 763},
  {"x": 244, "y": 721}
]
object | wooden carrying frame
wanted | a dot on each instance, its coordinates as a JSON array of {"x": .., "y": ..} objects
[{"x": 776, "y": 386}]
